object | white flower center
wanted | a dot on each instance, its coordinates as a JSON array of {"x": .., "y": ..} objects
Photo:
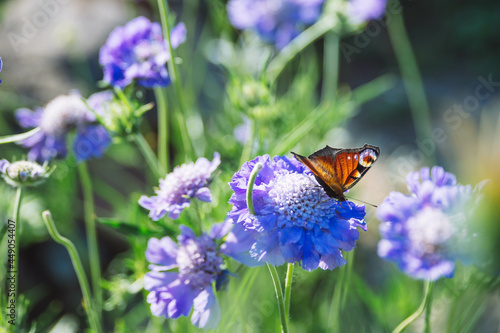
[
  {"x": 429, "y": 230},
  {"x": 24, "y": 168},
  {"x": 297, "y": 197},
  {"x": 199, "y": 261},
  {"x": 64, "y": 113}
]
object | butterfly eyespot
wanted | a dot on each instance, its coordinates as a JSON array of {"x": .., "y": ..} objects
[{"x": 367, "y": 157}]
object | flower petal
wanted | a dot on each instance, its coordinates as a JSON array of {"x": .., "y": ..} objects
[
  {"x": 162, "y": 252},
  {"x": 206, "y": 312}
]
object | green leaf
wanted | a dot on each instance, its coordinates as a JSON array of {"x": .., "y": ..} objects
[
  {"x": 146, "y": 107},
  {"x": 124, "y": 226},
  {"x": 18, "y": 137},
  {"x": 129, "y": 228}
]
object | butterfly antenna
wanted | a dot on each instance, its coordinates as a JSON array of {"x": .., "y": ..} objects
[{"x": 363, "y": 202}]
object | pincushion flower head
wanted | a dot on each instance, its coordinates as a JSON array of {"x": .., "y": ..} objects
[
  {"x": 137, "y": 51},
  {"x": 62, "y": 116},
  {"x": 294, "y": 221},
  {"x": 426, "y": 232},
  {"x": 182, "y": 274},
  {"x": 23, "y": 173},
  {"x": 1, "y": 65},
  {"x": 276, "y": 21},
  {"x": 186, "y": 182}
]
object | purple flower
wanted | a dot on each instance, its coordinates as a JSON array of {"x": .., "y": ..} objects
[
  {"x": 179, "y": 187},
  {"x": 23, "y": 173},
  {"x": 276, "y": 21},
  {"x": 138, "y": 51},
  {"x": 61, "y": 116},
  {"x": 91, "y": 141},
  {"x": 196, "y": 263},
  {"x": 295, "y": 220},
  {"x": 423, "y": 231},
  {"x": 1, "y": 66},
  {"x": 364, "y": 10}
]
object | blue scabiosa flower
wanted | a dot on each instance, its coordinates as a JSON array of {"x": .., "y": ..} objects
[
  {"x": 1, "y": 66},
  {"x": 423, "y": 232},
  {"x": 364, "y": 10},
  {"x": 276, "y": 21},
  {"x": 179, "y": 187},
  {"x": 182, "y": 274},
  {"x": 23, "y": 173},
  {"x": 60, "y": 117},
  {"x": 295, "y": 220},
  {"x": 138, "y": 51}
]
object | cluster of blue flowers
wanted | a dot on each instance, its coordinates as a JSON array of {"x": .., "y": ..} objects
[
  {"x": 295, "y": 222},
  {"x": 279, "y": 21},
  {"x": 136, "y": 52}
]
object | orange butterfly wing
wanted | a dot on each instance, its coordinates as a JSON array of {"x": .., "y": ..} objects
[{"x": 338, "y": 170}]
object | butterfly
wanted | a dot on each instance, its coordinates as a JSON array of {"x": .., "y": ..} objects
[{"x": 338, "y": 169}]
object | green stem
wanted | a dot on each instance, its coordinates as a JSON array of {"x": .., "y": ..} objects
[
  {"x": 330, "y": 67},
  {"x": 336, "y": 305},
  {"x": 298, "y": 44},
  {"x": 174, "y": 76},
  {"x": 18, "y": 137},
  {"x": 411, "y": 77},
  {"x": 13, "y": 297},
  {"x": 78, "y": 267},
  {"x": 279, "y": 297},
  {"x": 416, "y": 314},
  {"x": 349, "y": 257},
  {"x": 428, "y": 309},
  {"x": 288, "y": 289},
  {"x": 149, "y": 155},
  {"x": 90, "y": 228},
  {"x": 161, "y": 99},
  {"x": 272, "y": 269},
  {"x": 251, "y": 181}
]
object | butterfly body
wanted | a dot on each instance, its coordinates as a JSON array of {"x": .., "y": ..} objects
[{"x": 338, "y": 169}]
